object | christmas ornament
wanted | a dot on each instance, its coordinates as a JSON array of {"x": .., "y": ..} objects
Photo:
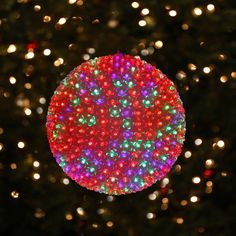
[{"x": 116, "y": 124}]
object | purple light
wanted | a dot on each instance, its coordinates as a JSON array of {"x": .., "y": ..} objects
[
  {"x": 113, "y": 76},
  {"x": 121, "y": 93},
  {"x": 127, "y": 134}
]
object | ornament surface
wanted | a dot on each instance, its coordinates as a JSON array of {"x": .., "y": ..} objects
[{"x": 116, "y": 124}]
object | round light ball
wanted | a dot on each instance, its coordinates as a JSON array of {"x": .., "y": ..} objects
[{"x": 116, "y": 124}]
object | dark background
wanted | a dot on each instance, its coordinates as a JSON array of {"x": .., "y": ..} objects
[{"x": 198, "y": 54}]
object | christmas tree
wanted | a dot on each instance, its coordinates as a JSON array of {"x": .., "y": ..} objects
[{"x": 193, "y": 42}]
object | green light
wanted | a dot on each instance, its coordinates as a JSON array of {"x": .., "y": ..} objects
[
  {"x": 151, "y": 171},
  {"x": 76, "y": 101},
  {"x": 172, "y": 88},
  {"x": 92, "y": 169},
  {"x": 55, "y": 134},
  {"x": 136, "y": 179},
  {"x": 143, "y": 164},
  {"x": 82, "y": 119},
  {"x": 114, "y": 111},
  {"x": 179, "y": 126},
  {"x": 96, "y": 72},
  {"x": 103, "y": 188},
  {"x": 149, "y": 145},
  {"x": 93, "y": 61},
  {"x": 166, "y": 107},
  {"x": 159, "y": 134},
  {"x": 117, "y": 83},
  {"x": 58, "y": 126},
  {"x": 168, "y": 128},
  {"x": 147, "y": 103},
  {"x": 125, "y": 144},
  {"x": 126, "y": 123},
  {"x": 84, "y": 161},
  {"x": 132, "y": 69},
  {"x": 77, "y": 85},
  {"x": 163, "y": 157},
  {"x": 126, "y": 189},
  {"x": 92, "y": 120},
  {"x": 137, "y": 144},
  {"x": 154, "y": 93},
  {"x": 65, "y": 81},
  {"x": 124, "y": 102},
  {"x": 174, "y": 132},
  {"x": 173, "y": 111},
  {"x": 181, "y": 141},
  {"x": 141, "y": 183},
  {"x": 96, "y": 91},
  {"x": 62, "y": 164},
  {"x": 130, "y": 84},
  {"x": 112, "y": 153}
]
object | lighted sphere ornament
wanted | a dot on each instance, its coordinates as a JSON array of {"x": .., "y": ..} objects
[{"x": 116, "y": 124}]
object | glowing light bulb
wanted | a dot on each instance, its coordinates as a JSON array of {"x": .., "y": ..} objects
[
  {"x": 179, "y": 220},
  {"x": 183, "y": 203},
  {"x": 46, "y": 52},
  {"x": 158, "y": 44},
  {"x": 21, "y": 144},
  {"x": 36, "y": 176},
  {"x": 69, "y": 216},
  {"x": 172, "y": 13},
  {"x": 58, "y": 62},
  {"x": 192, "y": 66},
  {"x": 198, "y": 141},
  {"x": 86, "y": 57},
  {"x": 14, "y": 194},
  {"x": 36, "y": 164},
  {"x": 220, "y": 144},
  {"x": 142, "y": 23},
  {"x": 209, "y": 163},
  {"x": 196, "y": 180},
  {"x": 29, "y": 55},
  {"x": 62, "y": 21},
  {"x": 66, "y": 181},
  {"x": 110, "y": 224},
  {"x": 42, "y": 100},
  {"x": 145, "y": 12},
  {"x": 37, "y": 7},
  {"x": 46, "y": 19},
  {"x": 233, "y": 74},
  {"x": 194, "y": 199},
  {"x": 197, "y": 11},
  {"x": 150, "y": 215},
  {"x": 152, "y": 196},
  {"x": 80, "y": 211},
  {"x": 12, "y": 80},
  {"x": 1, "y": 146},
  {"x": 223, "y": 79},
  {"x": 185, "y": 26},
  {"x": 206, "y": 70},
  {"x": 27, "y": 111},
  {"x": 135, "y": 4},
  {"x": 11, "y": 48},
  {"x": 210, "y": 7},
  {"x": 72, "y": 1},
  {"x": 28, "y": 85}
]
